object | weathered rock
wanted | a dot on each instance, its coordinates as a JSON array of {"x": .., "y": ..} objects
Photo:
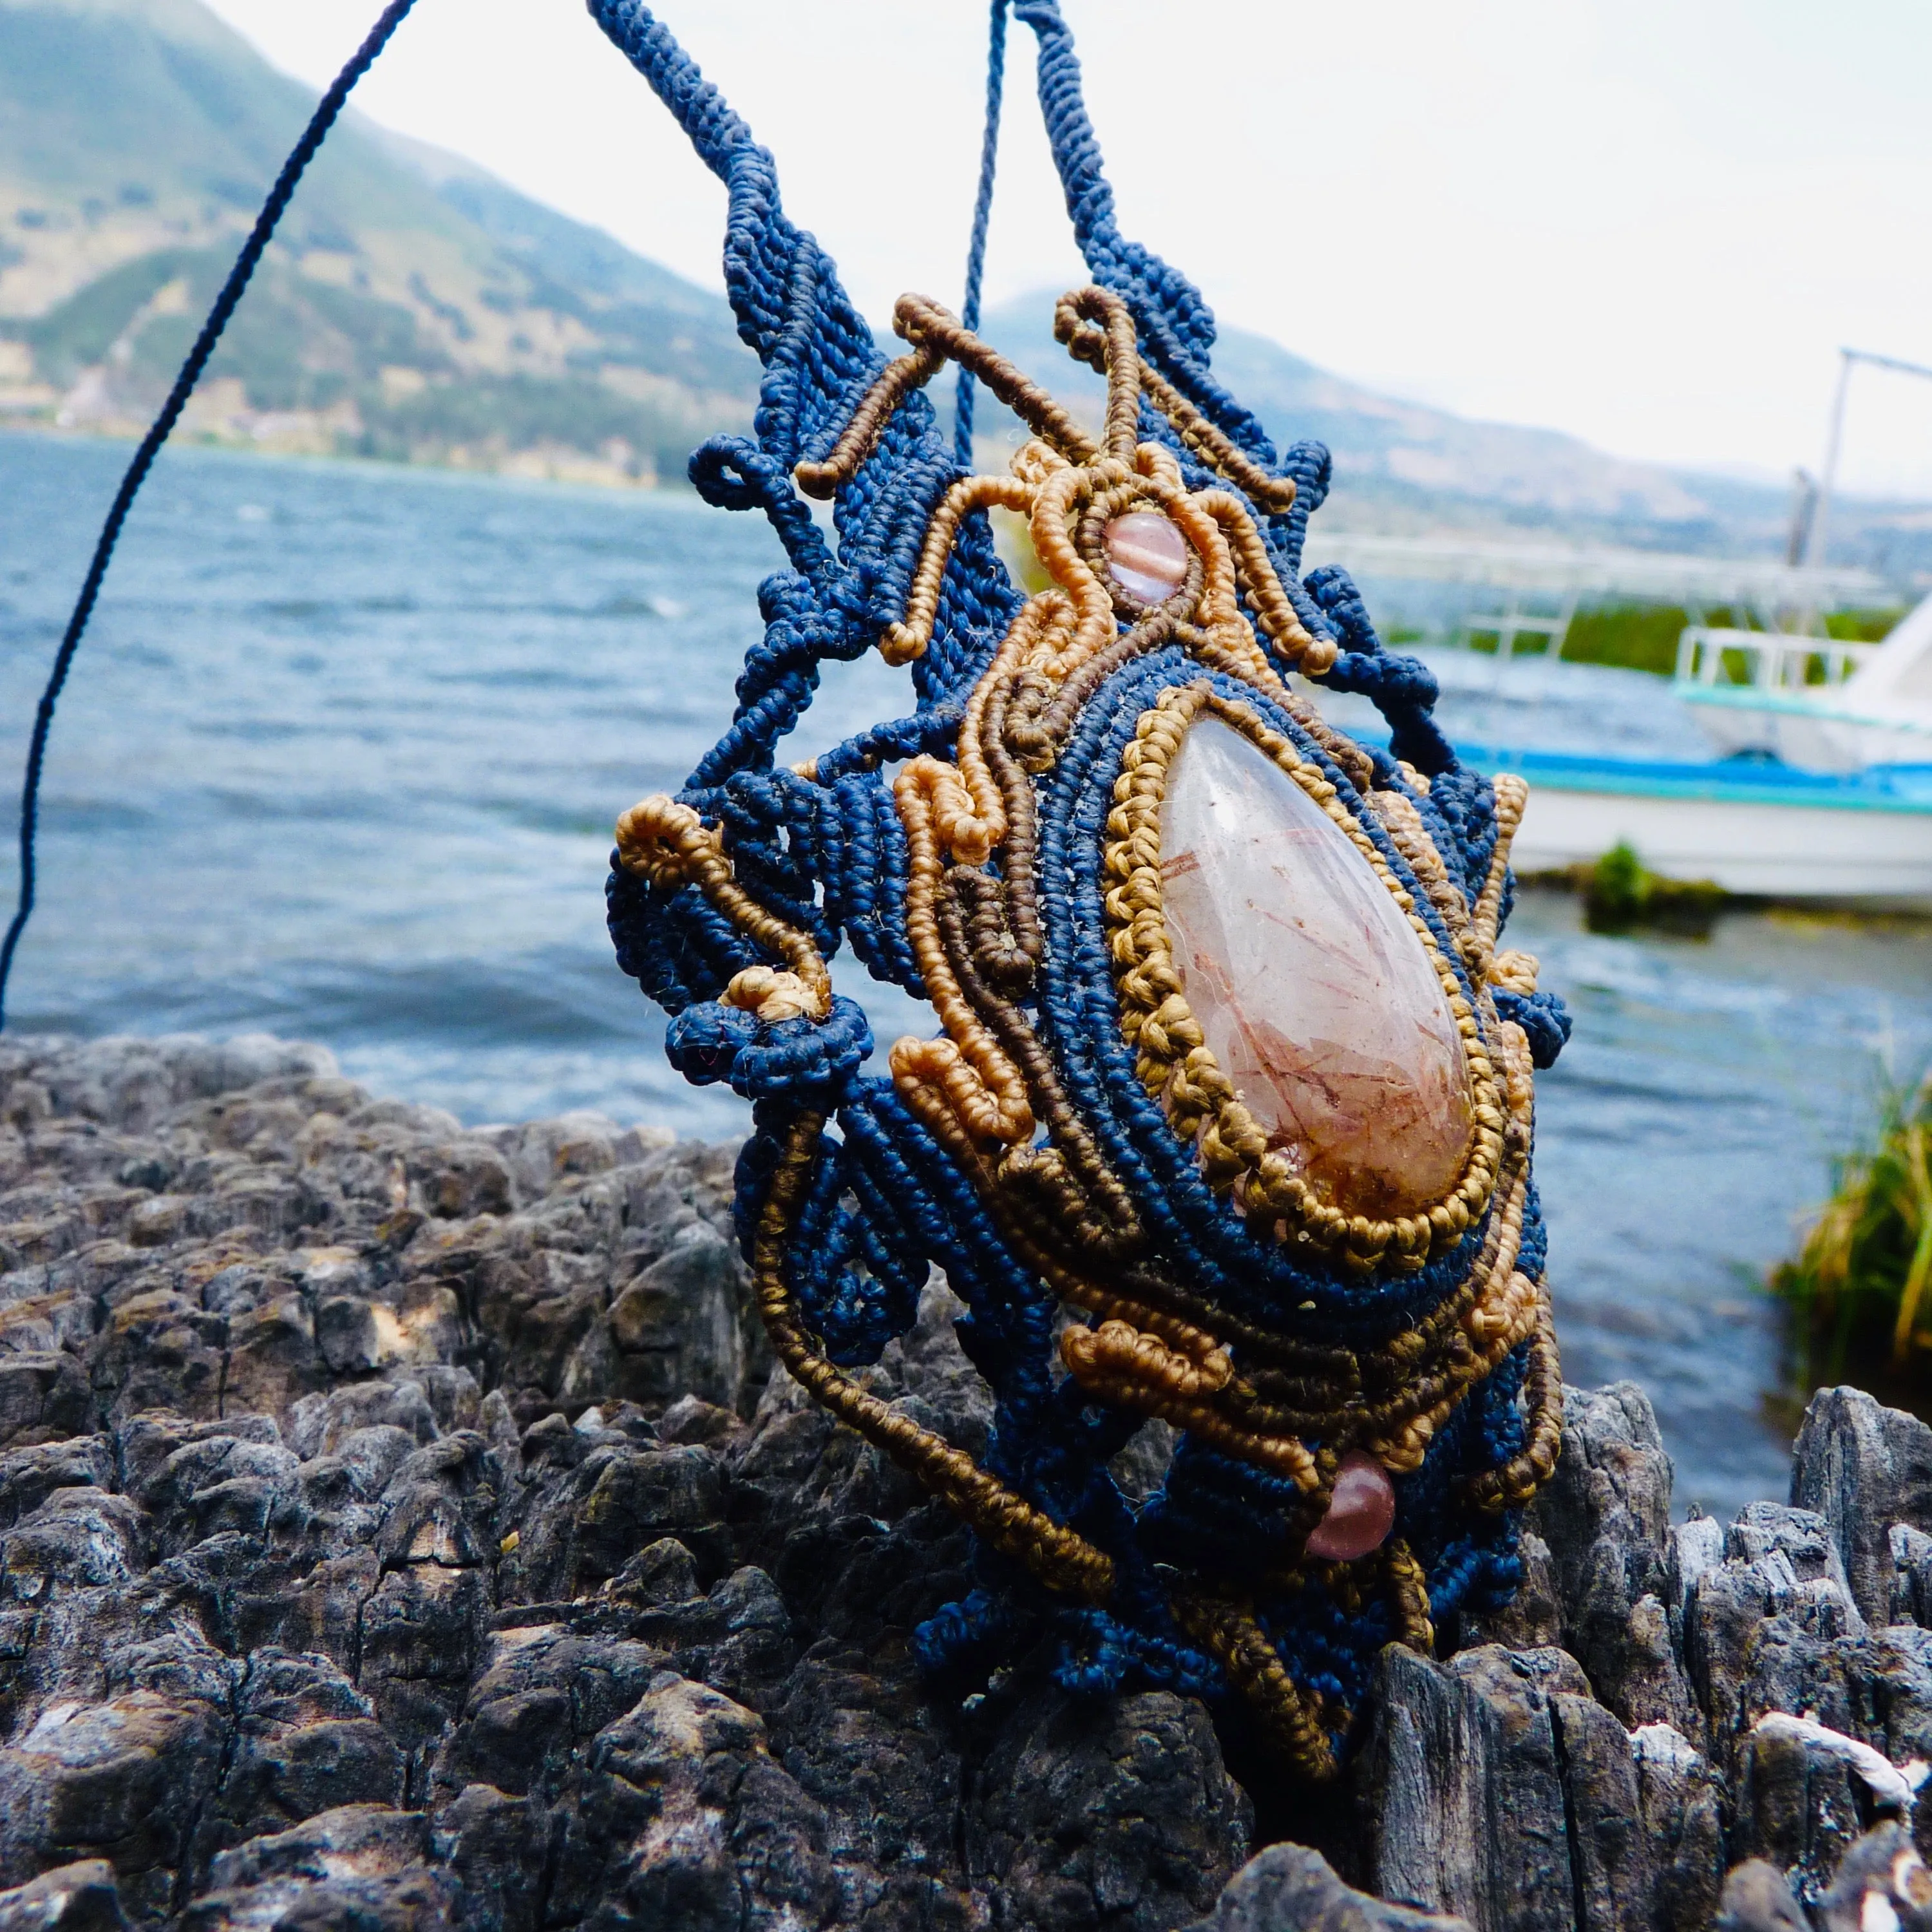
[
  {"x": 662, "y": 1353},
  {"x": 1290, "y": 1888},
  {"x": 1863, "y": 1468},
  {"x": 689, "y": 1822},
  {"x": 544, "y": 1696},
  {"x": 1464, "y": 1782},
  {"x": 1883, "y": 1882},
  {"x": 1605, "y": 1519},
  {"x": 1756, "y": 1898},
  {"x": 79, "y": 1897},
  {"x": 401, "y": 1527},
  {"x": 305, "y": 1741},
  {"x": 1495, "y": 1787},
  {"x": 1759, "y": 1624},
  {"x": 1911, "y": 1553},
  {"x": 1118, "y": 1814},
  {"x": 122, "y": 1781},
  {"x": 1800, "y": 1806},
  {"x": 426, "y": 1541},
  {"x": 359, "y": 1868},
  {"x": 1680, "y": 1819}
]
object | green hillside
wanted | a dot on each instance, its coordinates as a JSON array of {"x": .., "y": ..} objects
[{"x": 412, "y": 308}]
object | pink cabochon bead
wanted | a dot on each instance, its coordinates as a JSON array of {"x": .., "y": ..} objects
[
  {"x": 1360, "y": 1515},
  {"x": 1146, "y": 555}
]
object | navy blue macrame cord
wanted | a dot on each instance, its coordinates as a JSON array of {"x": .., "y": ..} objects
[
  {"x": 982, "y": 210},
  {"x": 886, "y": 1201},
  {"x": 293, "y": 169}
]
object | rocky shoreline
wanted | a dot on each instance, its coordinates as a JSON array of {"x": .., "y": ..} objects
[{"x": 401, "y": 1526}]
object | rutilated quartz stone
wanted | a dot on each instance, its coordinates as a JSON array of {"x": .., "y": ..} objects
[
  {"x": 1146, "y": 555},
  {"x": 1313, "y": 992}
]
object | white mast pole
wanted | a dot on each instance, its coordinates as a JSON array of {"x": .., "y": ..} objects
[{"x": 1828, "y": 476}]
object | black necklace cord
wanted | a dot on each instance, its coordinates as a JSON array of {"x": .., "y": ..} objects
[{"x": 218, "y": 316}]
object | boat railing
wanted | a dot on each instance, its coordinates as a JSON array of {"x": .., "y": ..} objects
[{"x": 1768, "y": 660}]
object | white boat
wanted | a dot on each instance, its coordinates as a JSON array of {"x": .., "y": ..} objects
[
  {"x": 1822, "y": 788},
  {"x": 1874, "y": 707},
  {"x": 1859, "y": 841},
  {"x": 1822, "y": 792}
]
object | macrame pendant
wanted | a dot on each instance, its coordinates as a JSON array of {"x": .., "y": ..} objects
[{"x": 1226, "y": 1124}]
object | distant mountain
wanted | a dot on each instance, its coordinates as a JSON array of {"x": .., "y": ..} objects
[
  {"x": 1402, "y": 468},
  {"x": 412, "y": 307},
  {"x": 415, "y": 308}
]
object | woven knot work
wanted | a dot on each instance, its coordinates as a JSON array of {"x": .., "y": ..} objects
[{"x": 1353, "y": 1353}]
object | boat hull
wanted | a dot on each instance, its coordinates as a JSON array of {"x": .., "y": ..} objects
[{"x": 1863, "y": 841}]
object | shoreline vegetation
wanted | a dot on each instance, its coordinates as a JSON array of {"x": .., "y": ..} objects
[
  {"x": 1628, "y": 634},
  {"x": 1622, "y": 895},
  {"x": 1858, "y": 1294},
  {"x": 1855, "y": 1298}
]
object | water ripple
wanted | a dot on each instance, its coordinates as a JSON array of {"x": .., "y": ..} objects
[{"x": 348, "y": 772}]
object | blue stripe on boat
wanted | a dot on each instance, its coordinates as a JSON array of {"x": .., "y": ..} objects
[
  {"x": 1731, "y": 781},
  {"x": 1728, "y": 780}
]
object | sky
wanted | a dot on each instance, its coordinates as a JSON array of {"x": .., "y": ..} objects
[{"x": 1652, "y": 223}]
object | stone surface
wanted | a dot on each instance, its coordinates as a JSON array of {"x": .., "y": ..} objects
[
  {"x": 405, "y": 1531},
  {"x": 1604, "y": 1521},
  {"x": 1756, "y": 1898},
  {"x": 1464, "y": 1784},
  {"x": 70, "y": 1898},
  {"x": 1497, "y": 1788},
  {"x": 1289, "y": 1886},
  {"x": 1863, "y": 1468},
  {"x": 1882, "y": 1883},
  {"x": 1148, "y": 555},
  {"x": 362, "y": 1566},
  {"x": 1110, "y": 1815},
  {"x": 1311, "y": 989}
]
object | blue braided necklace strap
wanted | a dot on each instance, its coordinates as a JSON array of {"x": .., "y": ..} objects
[{"x": 982, "y": 210}]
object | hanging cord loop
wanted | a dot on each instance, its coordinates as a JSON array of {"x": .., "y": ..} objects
[
  {"x": 293, "y": 169},
  {"x": 982, "y": 210}
]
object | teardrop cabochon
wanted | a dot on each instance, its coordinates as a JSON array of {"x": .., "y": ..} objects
[
  {"x": 1319, "y": 1016},
  {"x": 1088, "y": 1012}
]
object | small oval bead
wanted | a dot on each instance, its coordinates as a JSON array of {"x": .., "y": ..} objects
[
  {"x": 1361, "y": 1513},
  {"x": 1146, "y": 555}
]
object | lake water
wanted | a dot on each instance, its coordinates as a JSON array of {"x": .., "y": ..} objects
[{"x": 343, "y": 748}]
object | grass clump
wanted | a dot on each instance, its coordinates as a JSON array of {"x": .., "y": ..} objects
[
  {"x": 1858, "y": 1289},
  {"x": 1620, "y": 894},
  {"x": 1862, "y": 627}
]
